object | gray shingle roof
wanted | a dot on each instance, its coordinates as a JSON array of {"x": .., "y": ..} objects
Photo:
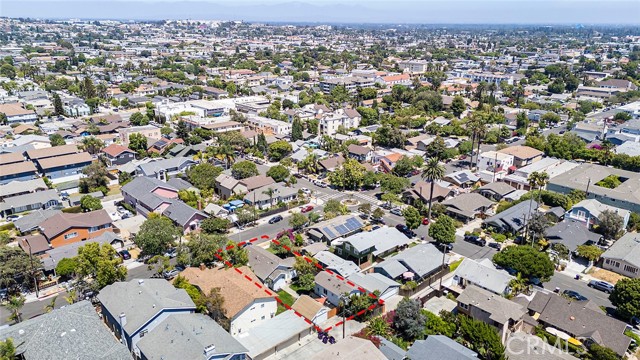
[
  {"x": 627, "y": 248},
  {"x": 264, "y": 263},
  {"x": 272, "y": 333},
  {"x": 421, "y": 260},
  {"x": 140, "y": 301},
  {"x": 140, "y": 186},
  {"x": 33, "y": 219},
  {"x": 439, "y": 347},
  {"x": 40, "y": 197},
  {"x": 16, "y": 187},
  {"x": 382, "y": 239},
  {"x": 185, "y": 336},
  {"x": 484, "y": 275},
  {"x": 74, "y": 332},
  {"x": 335, "y": 263},
  {"x": 500, "y": 309},
  {"x": 571, "y": 233},
  {"x": 155, "y": 167},
  {"x": 514, "y": 218},
  {"x": 181, "y": 213}
]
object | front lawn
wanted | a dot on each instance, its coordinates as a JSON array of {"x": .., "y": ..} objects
[{"x": 286, "y": 298}]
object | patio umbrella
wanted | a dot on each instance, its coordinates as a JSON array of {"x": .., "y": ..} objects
[{"x": 408, "y": 275}]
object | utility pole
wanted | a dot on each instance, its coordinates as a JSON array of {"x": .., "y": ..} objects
[
  {"x": 33, "y": 272},
  {"x": 444, "y": 252}
]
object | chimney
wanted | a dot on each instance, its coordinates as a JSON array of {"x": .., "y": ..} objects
[
  {"x": 141, "y": 282},
  {"x": 202, "y": 266},
  {"x": 209, "y": 350},
  {"x": 123, "y": 319}
]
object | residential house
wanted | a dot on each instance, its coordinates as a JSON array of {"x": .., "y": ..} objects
[
  {"x": 571, "y": 234},
  {"x": 495, "y": 191},
  {"x": 338, "y": 265},
  {"x": 330, "y": 123},
  {"x": 67, "y": 228},
  {"x": 340, "y": 226},
  {"x": 332, "y": 163},
  {"x": 368, "y": 246},
  {"x": 585, "y": 177},
  {"x": 54, "y": 255},
  {"x": 15, "y": 188},
  {"x": 589, "y": 211},
  {"x": 439, "y": 347},
  {"x": 115, "y": 154},
  {"x": 30, "y": 221},
  {"x": 246, "y": 305},
  {"x": 16, "y": 113},
  {"x": 65, "y": 167},
  {"x": 22, "y": 171},
  {"x": 519, "y": 179},
  {"x": 132, "y": 309},
  {"x": 483, "y": 274},
  {"x": 360, "y": 153},
  {"x": 581, "y": 320},
  {"x": 268, "y": 126},
  {"x": 261, "y": 198},
  {"x": 467, "y": 206},
  {"x": 351, "y": 348},
  {"x": 269, "y": 268},
  {"x": 332, "y": 288},
  {"x": 190, "y": 336},
  {"x": 311, "y": 309},
  {"x": 47, "y": 152},
  {"x": 227, "y": 186},
  {"x": 11, "y": 158},
  {"x": 148, "y": 131},
  {"x": 422, "y": 191},
  {"x": 40, "y": 200},
  {"x": 268, "y": 338},
  {"x": 463, "y": 178},
  {"x": 523, "y": 346},
  {"x": 522, "y": 155},
  {"x": 389, "y": 161},
  {"x": 623, "y": 257},
  {"x": 71, "y": 332},
  {"x": 371, "y": 282},
  {"x": 493, "y": 309},
  {"x": 164, "y": 169},
  {"x": 183, "y": 215},
  {"x": 417, "y": 263},
  {"x": 495, "y": 161},
  {"x": 215, "y": 210},
  {"x": 514, "y": 219}
]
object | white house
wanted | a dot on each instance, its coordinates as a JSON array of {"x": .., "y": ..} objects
[{"x": 495, "y": 161}]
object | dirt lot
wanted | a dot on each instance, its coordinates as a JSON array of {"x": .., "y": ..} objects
[{"x": 606, "y": 275}]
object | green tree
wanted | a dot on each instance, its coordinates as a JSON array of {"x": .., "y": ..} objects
[
  {"x": 280, "y": 248},
  {"x": 556, "y": 87},
  {"x": 412, "y": 217},
  {"x": 297, "y": 221},
  {"x": 365, "y": 208},
  {"x": 409, "y": 322},
  {"x": 391, "y": 137},
  {"x": 404, "y": 166},
  {"x": 101, "y": 263},
  {"x": 204, "y": 247},
  {"x": 443, "y": 230},
  {"x": 349, "y": 175},
  {"x": 14, "y": 264},
  {"x": 278, "y": 173},
  {"x": 458, "y": 106},
  {"x": 138, "y": 143},
  {"x": 244, "y": 169},
  {"x": 296, "y": 129},
  {"x": 215, "y": 225},
  {"x": 626, "y": 298},
  {"x": 203, "y": 176},
  {"x": 378, "y": 213},
  {"x": 56, "y": 140},
  {"x": 224, "y": 153},
  {"x": 589, "y": 252},
  {"x": 538, "y": 225},
  {"x": 8, "y": 70},
  {"x": 435, "y": 325},
  {"x": 66, "y": 267},
  {"x": 610, "y": 224},
  {"x": 390, "y": 183},
  {"x": 3, "y": 118},
  {"x": 369, "y": 116},
  {"x": 92, "y": 144},
  {"x": 138, "y": 119},
  {"x": 279, "y": 149},
  {"x": 432, "y": 172},
  {"x": 238, "y": 256},
  {"x": 336, "y": 207},
  {"x": 526, "y": 260},
  {"x": 95, "y": 179},
  {"x": 7, "y": 350},
  {"x": 482, "y": 337},
  {"x": 156, "y": 235},
  {"x": 14, "y": 305},
  {"x": 89, "y": 203},
  {"x": 57, "y": 105},
  {"x": 597, "y": 352}
]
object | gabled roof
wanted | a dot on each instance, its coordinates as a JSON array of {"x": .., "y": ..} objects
[
  {"x": 180, "y": 212},
  {"x": 271, "y": 333},
  {"x": 333, "y": 284},
  {"x": 484, "y": 275},
  {"x": 10, "y": 158},
  {"x": 500, "y": 309},
  {"x": 71, "y": 159},
  {"x": 15, "y": 187},
  {"x": 72, "y": 332},
  {"x": 498, "y": 187},
  {"x": 234, "y": 288},
  {"x": 572, "y": 234},
  {"x": 514, "y": 218},
  {"x": 154, "y": 167},
  {"x": 421, "y": 260},
  {"x": 382, "y": 239},
  {"x": 337, "y": 264},
  {"x": 33, "y": 198},
  {"x": 17, "y": 168},
  {"x": 140, "y": 300},
  {"x": 189, "y": 336},
  {"x": 596, "y": 208},
  {"x": 59, "y": 223},
  {"x": 264, "y": 263},
  {"x": 141, "y": 186},
  {"x": 307, "y": 306},
  {"x": 52, "y": 151},
  {"x": 439, "y": 347},
  {"x": 256, "y": 182},
  {"x": 114, "y": 150},
  {"x": 33, "y": 219},
  {"x": 627, "y": 249},
  {"x": 468, "y": 203}
]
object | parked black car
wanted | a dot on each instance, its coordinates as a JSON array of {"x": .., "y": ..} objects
[
  {"x": 275, "y": 219},
  {"x": 124, "y": 254},
  {"x": 405, "y": 230},
  {"x": 475, "y": 240},
  {"x": 495, "y": 245},
  {"x": 574, "y": 295}
]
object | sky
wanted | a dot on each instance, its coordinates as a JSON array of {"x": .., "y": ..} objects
[{"x": 621, "y": 12}]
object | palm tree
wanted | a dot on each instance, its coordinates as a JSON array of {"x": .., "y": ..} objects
[
  {"x": 478, "y": 129},
  {"x": 51, "y": 306},
  {"x": 607, "y": 147},
  {"x": 14, "y": 305},
  {"x": 518, "y": 285},
  {"x": 224, "y": 153},
  {"x": 71, "y": 296},
  {"x": 541, "y": 181},
  {"x": 7, "y": 349},
  {"x": 536, "y": 180},
  {"x": 92, "y": 144},
  {"x": 432, "y": 172},
  {"x": 269, "y": 192}
]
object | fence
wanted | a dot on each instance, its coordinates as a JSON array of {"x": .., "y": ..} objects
[{"x": 429, "y": 281}]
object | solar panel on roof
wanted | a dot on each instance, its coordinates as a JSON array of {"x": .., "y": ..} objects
[
  {"x": 355, "y": 222},
  {"x": 341, "y": 229},
  {"x": 328, "y": 232},
  {"x": 349, "y": 226}
]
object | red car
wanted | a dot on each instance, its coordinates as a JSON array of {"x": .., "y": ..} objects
[
  {"x": 425, "y": 221},
  {"x": 306, "y": 209}
]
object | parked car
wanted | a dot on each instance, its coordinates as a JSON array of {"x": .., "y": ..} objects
[
  {"x": 444, "y": 246},
  {"x": 171, "y": 253},
  {"x": 306, "y": 209},
  {"x": 396, "y": 211},
  {"x": 124, "y": 254},
  {"x": 13, "y": 218},
  {"x": 574, "y": 295},
  {"x": 275, "y": 219},
  {"x": 121, "y": 209},
  {"x": 475, "y": 240},
  {"x": 306, "y": 191},
  {"x": 601, "y": 285},
  {"x": 425, "y": 221},
  {"x": 377, "y": 220},
  {"x": 170, "y": 274},
  {"x": 375, "y": 228},
  {"x": 405, "y": 230},
  {"x": 495, "y": 245}
]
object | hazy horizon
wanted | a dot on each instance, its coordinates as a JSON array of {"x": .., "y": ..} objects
[{"x": 514, "y": 12}]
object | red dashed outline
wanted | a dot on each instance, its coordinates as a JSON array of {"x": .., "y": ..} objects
[{"x": 228, "y": 264}]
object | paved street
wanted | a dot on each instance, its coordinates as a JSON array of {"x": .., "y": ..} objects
[{"x": 565, "y": 282}]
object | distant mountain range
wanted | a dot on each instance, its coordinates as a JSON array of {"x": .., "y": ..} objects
[{"x": 351, "y": 11}]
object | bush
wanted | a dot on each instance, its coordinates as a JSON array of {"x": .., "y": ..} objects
[
  {"x": 72, "y": 210},
  {"x": 499, "y": 237}
]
